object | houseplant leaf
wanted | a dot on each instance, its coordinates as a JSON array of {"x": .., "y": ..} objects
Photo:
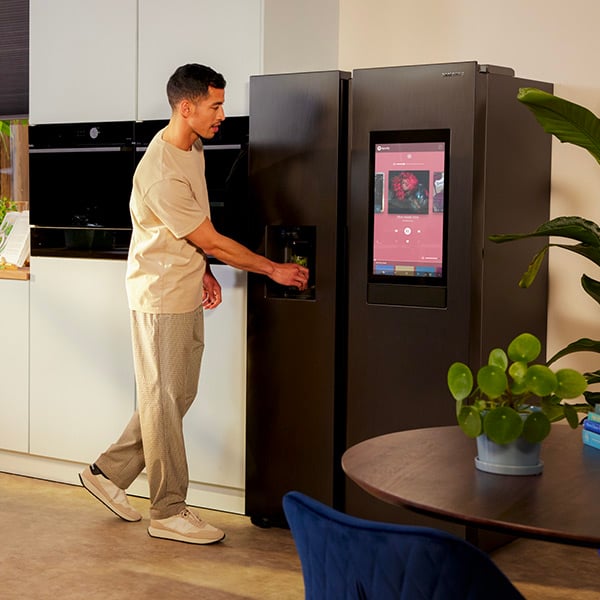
[
  {"x": 581, "y": 345},
  {"x": 591, "y": 286},
  {"x": 460, "y": 381},
  {"x": 498, "y": 358},
  {"x": 540, "y": 380},
  {"x": 568, "y": 121},
  {"x": 502, "y": 425},
  {"x": 492, "y": 381},
  {"x": 524, "y": 348},
  {"x": 569, "y": 384},
  {"x": 571, "y": 227},
  {"x": 536, "y": 427},
  {"x": 469, "y": 420}
]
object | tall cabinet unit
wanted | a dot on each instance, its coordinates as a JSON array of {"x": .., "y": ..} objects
[
  {"x": 403, "y": 332},
  {"x": 296, "y": 340}
]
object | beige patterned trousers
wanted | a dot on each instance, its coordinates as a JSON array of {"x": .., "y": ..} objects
[{"x": 167, "y": 351}]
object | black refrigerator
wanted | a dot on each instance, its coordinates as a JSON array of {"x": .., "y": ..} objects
[
  {"x": 298, "y": 157},
  {"x": 404, "y": 280},
  {"x": 443, "y": 155}
]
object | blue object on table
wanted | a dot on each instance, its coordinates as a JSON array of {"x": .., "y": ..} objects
[{"x": 344, "y": 557}]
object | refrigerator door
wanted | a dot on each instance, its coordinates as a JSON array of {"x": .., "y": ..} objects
[{"x": 296, "y": 341}]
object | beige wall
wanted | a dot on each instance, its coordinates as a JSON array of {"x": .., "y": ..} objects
[{"x": 548, "y": 40}]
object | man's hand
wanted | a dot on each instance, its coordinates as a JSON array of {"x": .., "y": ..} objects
[
  {"x": 290, "y": 274},
  {"x": 211, "y": 296}
]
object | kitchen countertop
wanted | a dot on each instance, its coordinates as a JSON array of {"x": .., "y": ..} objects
[{"x": 21, "y": 273}]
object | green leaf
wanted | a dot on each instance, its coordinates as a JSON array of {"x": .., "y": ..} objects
[
  {"x": 502, "y": 424},
  {"x": 552, "y": 409},
  {"x": 492, "y": 381},
  {"x": 591, "y": 286},
  {"x": 592, "y": 398},
  {"x": 569, "y": 383},
  {"x": 571, "y": 416},
  {"x": 524, "y": 348},
  {"x": 533, "y": 269},
  {"x": 469, "y": 420},
  {"x": 498, "y": 358},
  {"x": 571, "y": 227},
  {"x": 593, "y": 377},
  {"x": 581, "y": 345},
  {"x": 540, "y": 380},
  {"x": 518, "y": 370},
  {"x": 460, "y": 380},
  {"x": 536, "y": 427},
  {"x": 568, "y": 121}
]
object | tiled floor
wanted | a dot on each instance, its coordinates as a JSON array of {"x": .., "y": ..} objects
[{"x": 57, "y": 542}]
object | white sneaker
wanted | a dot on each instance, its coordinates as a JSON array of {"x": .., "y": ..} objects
[
  {"x": 185, "y": 527},
  {"x": 109, "y": 494}
]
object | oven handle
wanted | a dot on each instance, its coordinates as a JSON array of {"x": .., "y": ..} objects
[
  {"x": 78, "y": 150},
  {"x": 215, "y": 147}
]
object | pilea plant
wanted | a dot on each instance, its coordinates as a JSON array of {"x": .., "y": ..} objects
[{"x": 513, "y": 398}]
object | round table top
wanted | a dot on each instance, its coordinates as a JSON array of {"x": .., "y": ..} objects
[{"x": 432, "y": 471}]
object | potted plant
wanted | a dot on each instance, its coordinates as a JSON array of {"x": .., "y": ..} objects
[
  {"x": 513, "y": 404},
  {"x": 574, "y": 124}
]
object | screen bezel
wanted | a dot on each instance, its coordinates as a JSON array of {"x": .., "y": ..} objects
[{"x": 403, "y": 137}]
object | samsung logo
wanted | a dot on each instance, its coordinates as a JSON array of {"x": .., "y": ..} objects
[{"x": 453, "y": 74}]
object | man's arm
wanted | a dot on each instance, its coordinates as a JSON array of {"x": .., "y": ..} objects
[{"x": 231, "y": 253}]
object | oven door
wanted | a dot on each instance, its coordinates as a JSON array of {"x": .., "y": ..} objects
[{"x": 80, "y": 180}]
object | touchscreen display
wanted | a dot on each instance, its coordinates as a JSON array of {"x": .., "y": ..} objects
[{"x": 408, "y": 207}]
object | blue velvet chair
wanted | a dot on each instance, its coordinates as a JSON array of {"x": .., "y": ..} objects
[{"x": 346, "y": 558}]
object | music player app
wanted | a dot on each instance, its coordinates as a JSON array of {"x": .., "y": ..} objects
[{"x": 408, "y": 220}]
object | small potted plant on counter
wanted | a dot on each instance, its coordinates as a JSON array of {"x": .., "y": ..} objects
[{"x": 511, "y": 403}]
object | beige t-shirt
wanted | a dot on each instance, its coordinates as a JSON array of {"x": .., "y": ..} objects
[{"x": 169, "y": 200}]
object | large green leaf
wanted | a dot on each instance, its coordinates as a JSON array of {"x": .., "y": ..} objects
[
  {"x": 581, "y": 345},
  {"x": 572, "y": 227},
  {"x": 591, "y": 286},
  {"x": 568, "y": 121}
]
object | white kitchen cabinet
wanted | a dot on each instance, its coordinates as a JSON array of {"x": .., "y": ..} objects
[
  {"x": 83, "y": 60},
  {"x": 215, "y": 425},
  {"x": 14, "y": 365},
  {"x": 82, "y": 390},
  {"x": 225, "y": 35},
  {"x": 86, "y": 64}
]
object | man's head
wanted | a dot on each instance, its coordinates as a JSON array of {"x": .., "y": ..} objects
[
  {"x": 192, "y": 82},
  {"x": 196, "y": 94}
]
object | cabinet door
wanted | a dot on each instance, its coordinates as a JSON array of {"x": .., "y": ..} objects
[
  {"x": 83, "y": 60},
  {"x": 225, "y": 35},
  {"x": 215, "y": 425},
  {"x": 14, "y": 346},
  {"x": 82, "y": 390}
]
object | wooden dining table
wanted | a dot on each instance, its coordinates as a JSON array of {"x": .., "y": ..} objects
[{"x": 432, "y": 471}]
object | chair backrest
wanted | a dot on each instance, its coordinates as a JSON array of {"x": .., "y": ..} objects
[{"x": 345, "y": 558}]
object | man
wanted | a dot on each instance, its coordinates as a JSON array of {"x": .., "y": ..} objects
[{"x": 169, "y": 283}]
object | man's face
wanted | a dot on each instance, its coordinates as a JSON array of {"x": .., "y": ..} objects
[{"x": 207, "y": 114}]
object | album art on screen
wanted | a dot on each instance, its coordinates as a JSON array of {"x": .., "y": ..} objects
[
  {"x": 407, "y": 229},
  {"x": 408, "y": 192},
  {"x": 438, "y": 192}
]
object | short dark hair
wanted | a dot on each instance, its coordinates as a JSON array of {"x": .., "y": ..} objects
[{"x": 191, "y": 81}]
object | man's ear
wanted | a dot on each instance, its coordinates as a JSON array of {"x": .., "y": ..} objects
[{"x": 185, "y": 108}]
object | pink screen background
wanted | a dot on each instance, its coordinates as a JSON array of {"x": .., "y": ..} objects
[{"x": 412, "y": 239}]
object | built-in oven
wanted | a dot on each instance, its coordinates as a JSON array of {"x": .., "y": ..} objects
[{"x": 80, "y": 178}]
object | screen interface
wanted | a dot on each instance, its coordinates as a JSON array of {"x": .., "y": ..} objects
[{"x": 408, "y": 176}]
